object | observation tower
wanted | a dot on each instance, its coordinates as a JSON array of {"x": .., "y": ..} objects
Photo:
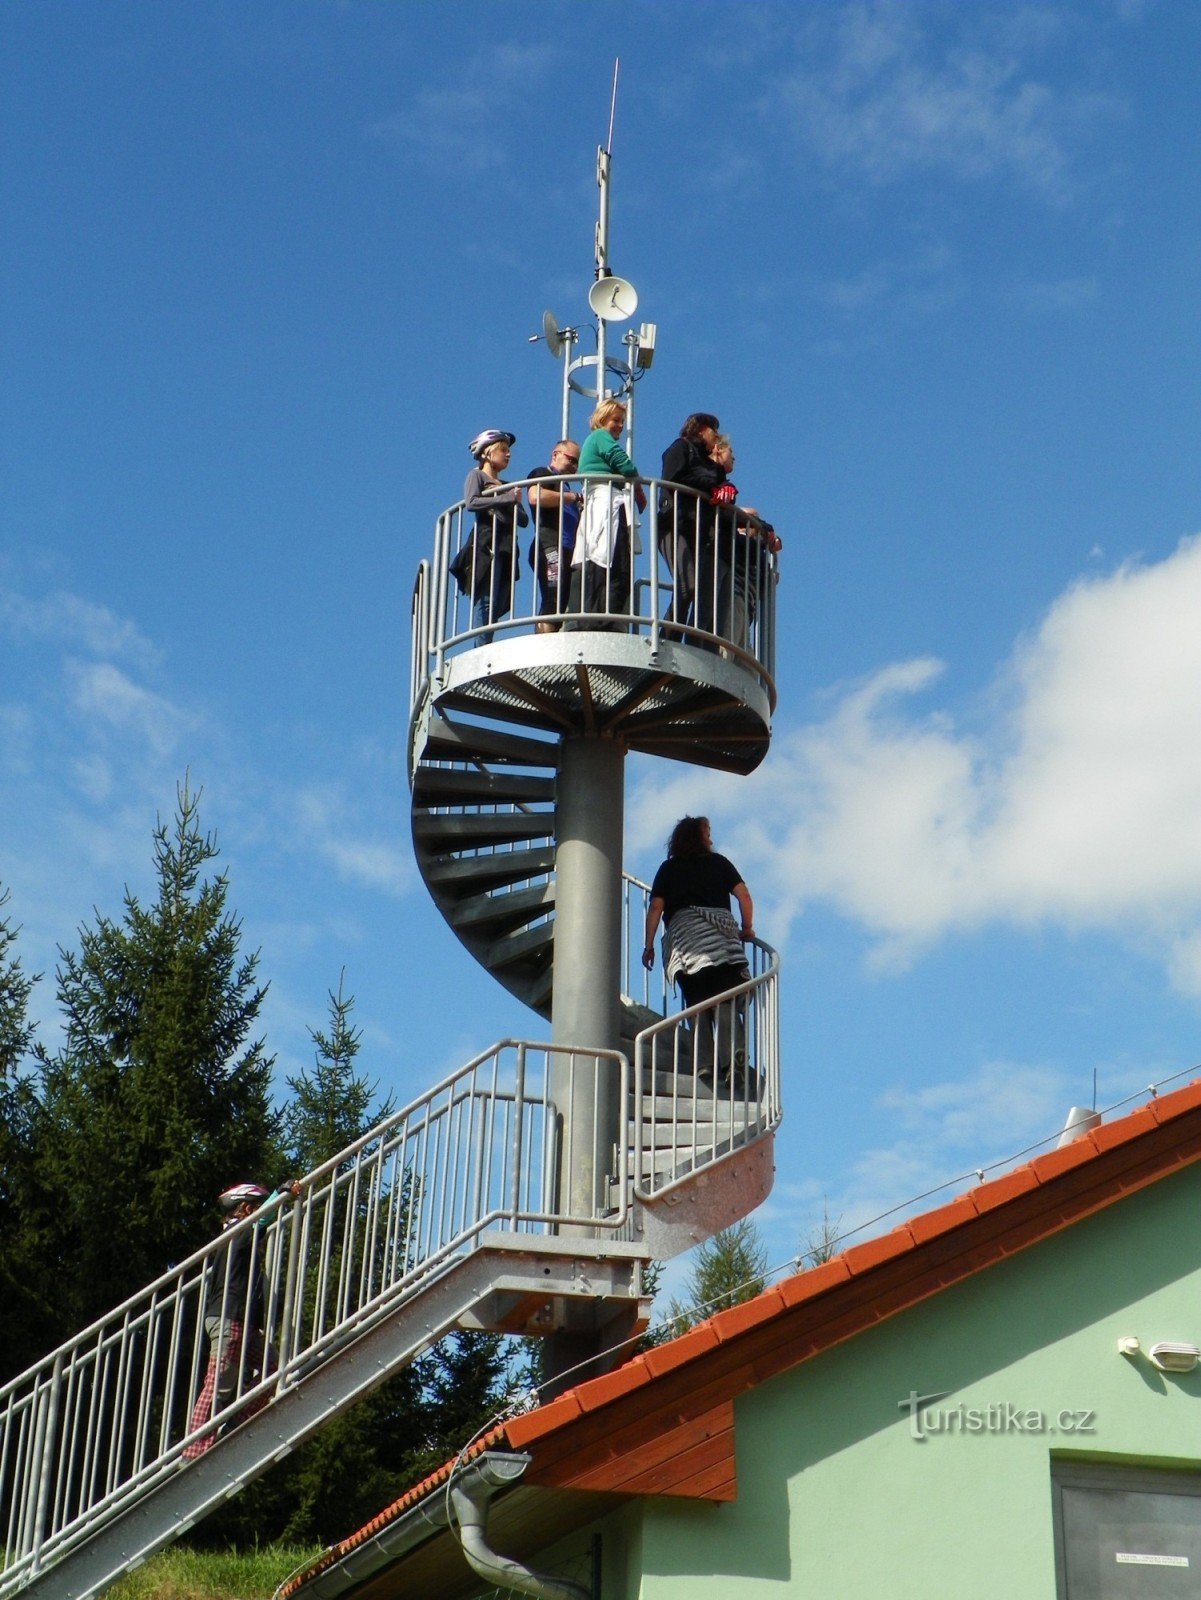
[
  {"x": 518, "y": 747},
  {"x": 528, "y": 1191}
]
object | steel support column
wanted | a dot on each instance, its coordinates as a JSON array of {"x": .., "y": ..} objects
[
  {"x": 587, "y": 993},
  {"x": 586, "y": 1008}
]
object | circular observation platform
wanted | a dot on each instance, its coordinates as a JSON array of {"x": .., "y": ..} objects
[{"x": 682, "y": 670}]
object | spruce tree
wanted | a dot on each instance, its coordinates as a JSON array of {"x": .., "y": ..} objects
[
  {"x": 332, "y": 1105},
  {"x": 16, "y": 1030},
  {"x": 159, "y": 1096},
  {"x": 822, "y": 1242},
  {"x": 729, "y": 1268}
]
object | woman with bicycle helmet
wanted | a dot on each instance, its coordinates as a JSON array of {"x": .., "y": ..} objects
[
  {"x": 233, "y": 1311},
  {"x": 486, "y": 566}
]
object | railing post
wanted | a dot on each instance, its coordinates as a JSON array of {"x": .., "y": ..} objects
[
  {"x": 639, "y": 1057},
  {"x": 438, "y": 606},
  {"x": 483, "y": 1108},
  {"x": 40, "y": 1461},
  {"x": 652, "y": 540},
  {"x": 518, "y": 1140},
  {"x": 286, "y": 1330}
]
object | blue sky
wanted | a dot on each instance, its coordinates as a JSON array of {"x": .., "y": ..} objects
[{"x": 267, "y": 268}]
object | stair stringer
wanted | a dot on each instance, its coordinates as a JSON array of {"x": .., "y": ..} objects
[
  {"x": 699, "y": 1205},
  {"x": 524, "y": 1270}
]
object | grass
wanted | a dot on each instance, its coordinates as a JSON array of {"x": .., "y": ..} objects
[{"x": 182, "y": 1574}]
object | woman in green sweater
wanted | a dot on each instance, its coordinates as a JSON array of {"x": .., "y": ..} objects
[{"x": 601, "y": 560}]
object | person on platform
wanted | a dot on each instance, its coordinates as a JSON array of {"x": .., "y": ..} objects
[
  {"x": 234, "y": 1311},
  {"x": 602, "y": 561},
  {"x": 742, "y": 536},
  {"x": 556, "y": 508},
  {"x": 702, "y": 942},
  {"x": 686, "y": 521},
  {"x": 486, "y": 566}
]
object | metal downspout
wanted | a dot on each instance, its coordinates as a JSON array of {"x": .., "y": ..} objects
[{"x": 471, "y": 1495}]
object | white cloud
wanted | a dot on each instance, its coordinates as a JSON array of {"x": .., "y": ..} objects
[
  {"x": 17, "y": 739},
  {"x": 924, "y": 281},
  {"x": 68, "y": 619},
  {"x": 878, "y": 92},
  {"x": 471, "y": 124},
  {"x": 1076, "y": 804},
  {"x": 1002, "y": 1107},
  {"x": 1053, "y": 296},
  {"x": 946, "y": 1132},
  {"x": 327, "y": 819},
  {"x": 105, "y": 695}
]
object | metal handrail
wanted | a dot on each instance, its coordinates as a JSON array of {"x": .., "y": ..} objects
[
  {"x": 94, "y": 1424},
  {"x": 713, "y": 1072},
  {"x": 419, "y": 633},
  {"x": 708, "y": 580}
]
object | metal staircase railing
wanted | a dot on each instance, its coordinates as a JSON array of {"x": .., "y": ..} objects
[
  {"x": 94, "y": 1426},
  {"x": 727, "y": 603},
  {"x": 707, "y": 1080}
]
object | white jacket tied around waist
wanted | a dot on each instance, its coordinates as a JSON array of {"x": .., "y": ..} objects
[{"x": 608, "y": 512}]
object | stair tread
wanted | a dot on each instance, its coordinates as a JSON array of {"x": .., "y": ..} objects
[
  {"x": 447, "y": 738},
  {"x": 470, "y": 785},
  {"x": 518, "y": 905},
  {"x": 445, "y": 831},
  {"x": 498, "y": 867},
  {"x": 511, "y": 947}
]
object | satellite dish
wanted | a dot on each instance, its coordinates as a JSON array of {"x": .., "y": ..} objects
[
  {"x": 552, "y": 333},
  {"x": 613, "y": 299}
]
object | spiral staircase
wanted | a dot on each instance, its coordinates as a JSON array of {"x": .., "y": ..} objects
[{"x": 490, "y": 722}]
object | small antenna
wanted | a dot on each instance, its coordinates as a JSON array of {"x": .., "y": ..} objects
[
  {"x": 613, "y": 105},
  {"x": 552, "y": 333}
]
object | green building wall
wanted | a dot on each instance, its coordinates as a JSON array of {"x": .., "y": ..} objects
[{"x": 838, "y": 1500}]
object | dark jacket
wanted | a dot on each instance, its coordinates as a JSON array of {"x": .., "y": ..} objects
[
  {"x": 235, "y": 1285},
  {"x": 685, "y": 462}
]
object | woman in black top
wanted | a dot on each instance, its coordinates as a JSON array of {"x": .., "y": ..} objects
[{"x": 702, "y": 943}]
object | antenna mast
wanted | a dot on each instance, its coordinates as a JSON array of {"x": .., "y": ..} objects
[
  {"x": 604, "y": 156},
  {"x": 612, "y": 300}
]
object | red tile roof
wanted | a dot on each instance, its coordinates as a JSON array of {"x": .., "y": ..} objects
[{"x": 663, "y": 1423}]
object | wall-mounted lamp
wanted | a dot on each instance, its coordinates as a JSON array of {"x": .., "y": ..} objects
[{"x": 1171, "y": 1356}]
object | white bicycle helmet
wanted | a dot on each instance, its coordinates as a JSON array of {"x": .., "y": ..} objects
[
  {"x": 490, "y": 436},
  {"x": 239, "y": 1194}
]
